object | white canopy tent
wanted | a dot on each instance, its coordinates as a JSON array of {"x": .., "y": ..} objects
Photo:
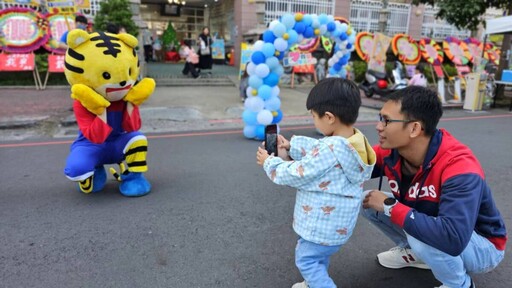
[{"x": 499, "y": 25}]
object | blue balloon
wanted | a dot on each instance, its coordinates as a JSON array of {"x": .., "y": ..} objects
[
  {"x": 273, "y": 104},
  {"x": 343, "y": 61},
  {"x": 349, "y": 46},
  {"x": 288, "y": 20},
  {"x": 332, "y": 71},
  {"x": 292, "y": 37},
  {"x": 255, "y": 82},
  {"x": 249, "y": 117},
  {"x": 281, "y": 56},
  {"x": 299, "y": 27},
  {"x": 250, "y": 131},
  {"x": 258, "y": 57},
  {"x": 323, "y": 19},
  {"x": 272, "y": 62},
  {"x": 336, "y": 66},
  {"x": 278, "y": 117},
  {"x": 307, "y": 20},
  {"x": 268, "y": 49},
  {"x": 260, "y": 132},
  {"x": 265, "y": 92},
  {"x": 268, "y": 36},
  {"x": 343, "y": 36},
  {"x": 271, "y": 80},
  {"x": 309, "y": 33},
  {"x": 279, "y": 29},
  {"x": 331, "y": 26}
]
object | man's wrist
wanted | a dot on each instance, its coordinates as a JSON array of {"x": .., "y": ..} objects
[{"x": 388, "y": 205}]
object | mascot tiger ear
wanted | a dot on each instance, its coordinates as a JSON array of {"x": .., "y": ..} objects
[
  {"x": 128, "y": 39},
  {"x": 76, "y": 37}
]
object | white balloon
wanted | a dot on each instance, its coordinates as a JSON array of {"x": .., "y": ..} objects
[
  {"x": 248, "y": 92},
  {"x": 254, "y": 104},
  {"x": 323, "y": 29},
  {"x": 264, "y": 117},
  {"x": 281, "y": 44},
  {"x": 258, "y": 45},
  {"x": 273, "y": 24},
  {"x": 315, "y": 23},
  {"x": 273, "y": 104},
  {"x": 275, "y": 91},
  {"x": 331, "y": 62},
  {"x": 272, "y": 62},
  {"x": 251, "y": 69},
  {"x": 300, "y": 38},
  {"x": 262, "y": 70},
  {"x": 330, "y": 18}
]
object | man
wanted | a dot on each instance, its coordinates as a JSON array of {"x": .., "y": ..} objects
[
  {"x": 441, "y": 214},
  {"x": 80, "y": 23}
]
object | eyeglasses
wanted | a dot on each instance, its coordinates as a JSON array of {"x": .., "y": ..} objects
[{"x": 386, "y": 121}]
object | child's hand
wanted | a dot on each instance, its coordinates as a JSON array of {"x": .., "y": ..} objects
[{"x": 261, "y": 156}]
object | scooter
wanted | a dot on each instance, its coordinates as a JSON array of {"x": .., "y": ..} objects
[{"x": 378, "y": 82}]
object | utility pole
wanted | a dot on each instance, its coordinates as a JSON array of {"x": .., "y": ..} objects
[{"x": 383, "y": 17}]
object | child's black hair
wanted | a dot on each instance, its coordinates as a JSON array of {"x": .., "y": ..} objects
[{"x": 339, "y": 96}]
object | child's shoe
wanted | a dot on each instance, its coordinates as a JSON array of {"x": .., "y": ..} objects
[{"x": 134, "y": 184}]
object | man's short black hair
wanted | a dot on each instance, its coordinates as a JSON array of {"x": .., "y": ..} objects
[
  {"x": 420, "y": 103},
  {"x": 339, "y": 96},
  {"x": 81, "y": 19}
]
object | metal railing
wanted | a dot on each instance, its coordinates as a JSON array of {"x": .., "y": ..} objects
[
  {"x": 364, "y": 16},
  {"x": 276, "y": 8}
]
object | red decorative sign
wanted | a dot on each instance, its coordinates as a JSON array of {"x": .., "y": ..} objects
[
  {"x": 17, "y": 62},
  {"x": 56, "y": 63}
]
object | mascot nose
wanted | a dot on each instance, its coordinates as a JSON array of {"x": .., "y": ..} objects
[{"x": 122, "y": 83}]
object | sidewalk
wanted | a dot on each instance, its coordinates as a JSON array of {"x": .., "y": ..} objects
[{"x": 26, "y": 113}]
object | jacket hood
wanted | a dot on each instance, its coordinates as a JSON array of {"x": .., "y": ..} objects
[{"x": 361, "y": 157}]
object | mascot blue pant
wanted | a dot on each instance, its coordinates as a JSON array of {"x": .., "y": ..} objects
[{"x": 86, "y": 159}]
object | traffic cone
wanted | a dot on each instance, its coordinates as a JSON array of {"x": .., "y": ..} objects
[{"x": 232, "y": 57}]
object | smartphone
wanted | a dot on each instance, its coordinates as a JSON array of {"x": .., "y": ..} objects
[{"x": 271, "y": 139}]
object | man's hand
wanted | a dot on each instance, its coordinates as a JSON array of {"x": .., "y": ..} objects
[
  {"x": 375, "y": 200},
  {"x": 261, "y": 156}
]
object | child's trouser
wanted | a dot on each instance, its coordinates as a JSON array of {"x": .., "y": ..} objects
[{"x": 313, "y": 262}]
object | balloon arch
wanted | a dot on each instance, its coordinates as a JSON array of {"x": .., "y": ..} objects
[{"x": 263, "y": 105}]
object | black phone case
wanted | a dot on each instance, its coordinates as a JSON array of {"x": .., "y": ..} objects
[{"x": 271, "y": 139}]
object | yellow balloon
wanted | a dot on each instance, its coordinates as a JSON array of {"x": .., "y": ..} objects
[
  {"x": 317, "y": 31},
  {"x": 277, "y": 53},
  {"x": 349, "y": 31},
  {"x": 298, "y": 16},
  {"x": 254, "y": 92},
  {"x": 286, "y": 36},
  {"x": 274, "y": 113}
]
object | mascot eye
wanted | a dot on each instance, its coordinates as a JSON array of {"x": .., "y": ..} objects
[
  {"x": 130, "y": 71},
  {"x": 106, "y": 75}
]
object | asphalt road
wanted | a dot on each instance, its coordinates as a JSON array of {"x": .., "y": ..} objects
[{"x": 213, "y": 219}]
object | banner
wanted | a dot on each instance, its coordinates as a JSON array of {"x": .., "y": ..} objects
[
  {"x": 17, "y": 62},
  {"x": 23, "y": 30},
  {"x": 83, "y": 4},
  {"x": 378, "y": 56},
  {"x": 245, "y": 57},
  {"x": 64, "y": 7},
  {"x": 25, "y": 2},
  {"x": 297, "y": 59},
  {"x": 218, "y": 51}
]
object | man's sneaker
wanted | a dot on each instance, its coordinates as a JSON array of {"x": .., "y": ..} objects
[
  {"x": 472, "y": 285},
  {"x": 398, "y": 257},
  {"x": 300, "y": 285}
]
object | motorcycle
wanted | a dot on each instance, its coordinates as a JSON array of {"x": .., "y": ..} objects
[{"x": 379, "y": 82}]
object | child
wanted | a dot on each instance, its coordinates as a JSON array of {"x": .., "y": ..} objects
[
  {"x": 191, "y": 61},
  {"x": 328, "y": 173},
  {"x": 244, "y": 84},
  {"x": 418, "y": 79}
]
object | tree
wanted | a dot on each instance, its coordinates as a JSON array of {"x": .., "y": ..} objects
[
  {"x": 169, "y": 38},
  {"x": 117, "y": 12}
]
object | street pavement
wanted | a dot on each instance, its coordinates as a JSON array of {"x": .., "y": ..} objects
[{"x": 213, "y": 219}]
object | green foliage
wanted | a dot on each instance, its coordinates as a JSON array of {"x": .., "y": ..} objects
[
  {"x": 464, "y": 14},
  {"x": 117, "y": 12},
  {"x": 169, "y": 38},
  {"x": 359, "y": 70}
]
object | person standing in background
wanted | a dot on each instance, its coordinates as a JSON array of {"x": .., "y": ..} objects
[
  {"x": 80, "y": 23},
  {"x": 205, "y": 49},
  {"x": 147, "y": 41}
]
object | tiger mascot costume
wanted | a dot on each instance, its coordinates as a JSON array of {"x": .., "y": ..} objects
[{"x": 102, "y": 69}]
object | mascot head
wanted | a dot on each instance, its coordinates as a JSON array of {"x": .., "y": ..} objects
[{"x": 105, "y": 62}]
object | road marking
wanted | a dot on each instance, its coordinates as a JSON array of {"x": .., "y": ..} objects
[{"x": 229, "y": 132}]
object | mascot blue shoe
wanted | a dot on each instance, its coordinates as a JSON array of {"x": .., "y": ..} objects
[
  {"x": 94, "y": 183},
  {"x": 134, "y": 184}
]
